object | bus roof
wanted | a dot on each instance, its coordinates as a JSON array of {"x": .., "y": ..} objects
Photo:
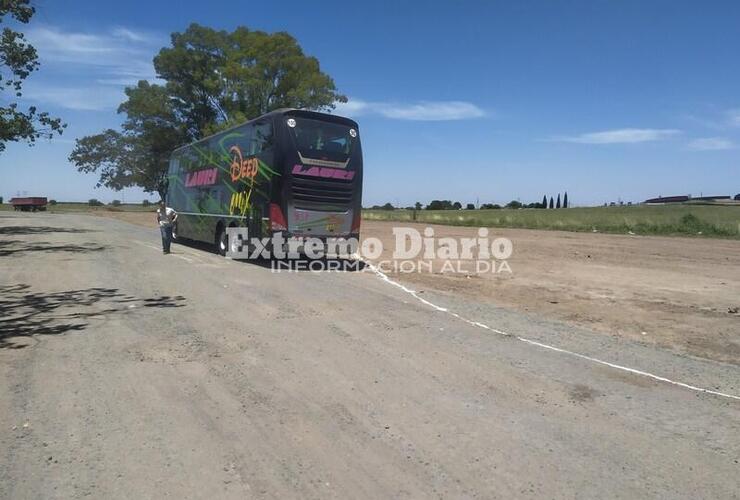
[{"x": 316, "y": 115}]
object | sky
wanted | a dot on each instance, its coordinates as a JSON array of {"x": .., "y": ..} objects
[{"x": 470, "y": 101}]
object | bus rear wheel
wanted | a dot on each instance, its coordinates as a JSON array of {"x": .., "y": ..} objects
[{"x": 222, "y": 241}]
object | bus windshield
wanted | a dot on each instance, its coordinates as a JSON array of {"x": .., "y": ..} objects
[{"x": 320, "y": 139}]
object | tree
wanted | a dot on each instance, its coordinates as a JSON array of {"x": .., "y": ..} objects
[
  {"x": 18, "y": 59},
  {"x": 469, "y": 206},
  {"x": 544, "y": 201},
  {"x": 52, "y": 202},
  {"x": 220, "y": 78},
  {"x": 417, "y": 205},
  {"x": 557, "y": 205},
  {"x": 1, "y": 200},
  {"x": 457, "y": 205},
  {"x": 552, "y": 205},
  {"x": 213, "y": 79},
  {"x": 116, "y": 203},
  {"x": 514, "y": 204},
  {"x": 565, "y": 200},
  {"x": 440, "y": 205},
  {"x": 139, "y": 154},
  {"x": 94, "y": 203},
  {"x": 387, "y": 206},
  {"x": 490, "y": 206}
]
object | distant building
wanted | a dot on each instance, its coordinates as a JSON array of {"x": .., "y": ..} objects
[
  {"x": 711, "y": 198},
  {"x": 683, "y": 199},
  {"x": 669, "y": 199}
]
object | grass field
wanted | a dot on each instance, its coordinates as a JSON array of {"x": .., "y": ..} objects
[
  {"x": 685, "y": 220},
  {"x": 715, "y": 221},
  {"x": 84, "y": 207}
]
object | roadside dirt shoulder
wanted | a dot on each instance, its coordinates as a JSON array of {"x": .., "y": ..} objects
[{"x": 680, "y": 293}]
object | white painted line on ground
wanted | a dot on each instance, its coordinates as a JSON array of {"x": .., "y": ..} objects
[
  {"x": 146, "y": 244},
  {"x": 634, "y": 371},
  {"x": 194, "y": 256}
]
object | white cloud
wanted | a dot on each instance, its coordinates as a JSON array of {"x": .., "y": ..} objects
[
  {"x": 711, "y": 144},
  {"x": 435, "y": 111},
  {"x": 733, "y": 117},
  {"x": 353, "y": 107},
  {"x": 420, "y": 111},
  {"x": 78, "y": 98},
  {"x": 121, "y": 48},
  {"x": 620, "y": 136},
  {"x": 135, "y": 36},
  {"x": 87, "y": 71}
]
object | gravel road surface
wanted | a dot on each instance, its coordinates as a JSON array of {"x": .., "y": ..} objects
[{"x": 125, "y": 373}]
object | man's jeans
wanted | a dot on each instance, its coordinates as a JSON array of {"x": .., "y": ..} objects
[{"x": 166, "y": 231}]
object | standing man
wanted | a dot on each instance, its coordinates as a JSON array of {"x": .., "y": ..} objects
[{"x": 165, "y": 218}]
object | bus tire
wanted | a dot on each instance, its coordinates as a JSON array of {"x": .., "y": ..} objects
[{"x": 222, "y": 240}]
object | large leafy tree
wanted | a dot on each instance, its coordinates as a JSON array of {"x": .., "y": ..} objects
[
  {"x": 212, "y": 80},
  {"x": 18, "y": 59},
  {"x": 137, "y": 155},
  {"x": 219, "y": 78}
]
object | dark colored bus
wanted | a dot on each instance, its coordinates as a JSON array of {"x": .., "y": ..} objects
[{"x": 291, "y": 171}]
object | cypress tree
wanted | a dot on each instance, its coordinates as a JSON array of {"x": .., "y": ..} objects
[
  {"x": 544, "y": 201},
  {"x": 552, "y": 205},
  {"x": 565, "y": 200},
  {"x": 557, "y": 205}
]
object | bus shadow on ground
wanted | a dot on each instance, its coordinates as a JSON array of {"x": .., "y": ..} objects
[
  {"x": 13, "y": 247},
  {"x": 309, "y": 265},
  {"x": 25, "y": 314},
  {"x": 288, "y": 265},
  {"x": 29, "y": 230}
]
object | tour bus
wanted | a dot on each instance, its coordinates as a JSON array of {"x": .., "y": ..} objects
[{"x": 292, "y": 171}]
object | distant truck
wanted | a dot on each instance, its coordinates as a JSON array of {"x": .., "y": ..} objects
[{"x": 29, "y": 204}]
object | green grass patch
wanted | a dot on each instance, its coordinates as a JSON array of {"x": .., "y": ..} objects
[
  {"x": 685, "y": 220},
  {"x": 85, "y": 207},
  {"x": 62, "y": 207}
]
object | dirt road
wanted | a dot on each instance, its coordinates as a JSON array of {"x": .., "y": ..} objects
[
  {"x": 681, "y": 294},
  {"x": 128, "y": 374}
]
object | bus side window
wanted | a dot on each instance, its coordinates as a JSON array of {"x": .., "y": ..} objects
[
  {"x": 189, "y": 161},
  {"x": 262, "y": 139},
  {"x": 245, "y": 141},
  {"x": 174, "y": 167}
]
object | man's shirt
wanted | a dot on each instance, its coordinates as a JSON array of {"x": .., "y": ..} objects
[{"x": 167, "y": 217}]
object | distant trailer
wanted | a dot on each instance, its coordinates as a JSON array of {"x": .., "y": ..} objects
[{"x": 30, "y": 204}]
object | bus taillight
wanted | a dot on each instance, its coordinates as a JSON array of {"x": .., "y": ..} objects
[
  {"x": 277, "y": 219},
  {"x": 356, "y": 220}
]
